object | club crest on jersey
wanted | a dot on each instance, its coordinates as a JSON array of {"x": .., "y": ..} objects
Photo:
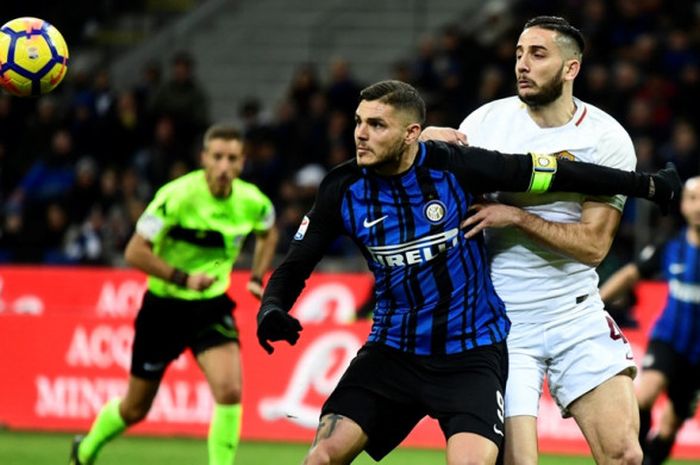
[
  {"x": 565, "y": 155},
  {"x": 435, "y": 211},
  {"x": 301, "y": 232}
]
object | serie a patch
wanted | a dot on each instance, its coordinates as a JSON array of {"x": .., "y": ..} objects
[{"x": 301, "y": 232}]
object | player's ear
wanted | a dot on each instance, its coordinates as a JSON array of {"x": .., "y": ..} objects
[
  {"x": 413, "y": 131},
  {"x": 571, "y": 69}
]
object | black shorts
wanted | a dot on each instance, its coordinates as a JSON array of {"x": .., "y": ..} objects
[
  {"x": 165, "y": 327},
  {"x": 683, "y": 377},
  {"x": 387, "y": 392}
]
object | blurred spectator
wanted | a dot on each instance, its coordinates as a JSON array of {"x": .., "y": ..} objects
[
  {"x": 125, "y": 126},
  {"x": 596, "y": 86},
  {"x": 38, "y": 132},
  {"x": 14, "y": 246},
  {"x": 102, "y": 94},
  {"x": 682, "y": 150},
  {"x": 423, "y": 67},
  {"x": 155, "y": 160},
  {"x": 150, "y": 82},
  {"x": 304, "y": 85},
  {"x": 343, "y": 90},
  {"x": 84, "y": 191},
  {"x": 84, "y": 240},
  {"x": 50, "y": 177},
  {"x": 50, "y": 236},
  {"x": 688, "y": 94},
  {"x": 183, "y": 100},
  {"x": 264, "y": 166},
  {"x": 626, "y": 80}
]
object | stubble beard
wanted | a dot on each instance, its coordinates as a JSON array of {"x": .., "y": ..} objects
[{"x": 392, "y": 160}]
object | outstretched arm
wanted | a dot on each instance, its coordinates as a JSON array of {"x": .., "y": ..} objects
[{"x": 488, "y": 171}]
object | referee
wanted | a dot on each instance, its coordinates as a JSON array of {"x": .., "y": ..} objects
[{"x": 187, "y": 241}]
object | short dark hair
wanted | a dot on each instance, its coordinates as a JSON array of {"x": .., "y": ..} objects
[
  {"x": 222, "y": 131},
  {"x": 399, "y": 95},
  {"x": 560, "y": 25}
]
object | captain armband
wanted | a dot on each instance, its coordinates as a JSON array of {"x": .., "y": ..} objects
[{"x": 543, "y": 169}]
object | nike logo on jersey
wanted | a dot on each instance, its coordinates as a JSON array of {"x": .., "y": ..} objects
[
  {"x": 676, "y": 268},
  {"x": 369, "y": 224}
]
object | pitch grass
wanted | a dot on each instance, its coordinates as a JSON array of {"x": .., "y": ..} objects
[{"x": 25, "y": 448}]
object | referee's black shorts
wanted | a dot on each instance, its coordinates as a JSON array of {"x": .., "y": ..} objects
[
  {"x": 165, "y": 327},
  {"x": 387, "y": 392},
  {"x": 683, "y": 377}
]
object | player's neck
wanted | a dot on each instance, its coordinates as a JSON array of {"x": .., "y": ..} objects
[
  {"x": 554, "y": 114},
  {"x": 693, "y": 235}
]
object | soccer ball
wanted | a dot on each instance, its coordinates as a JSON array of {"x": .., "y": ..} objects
[{"x": 33, "y": 57}]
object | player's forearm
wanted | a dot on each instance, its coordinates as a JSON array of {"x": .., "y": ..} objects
[
  {"x": 289, "y": 278},
  {"x": 139, "y": 254},
  {"x": 264, "y": 253},
  {"x": 579, "y": 241},
  {"x": 620, "y": 282},
  {"x": 587, "y": 178}
]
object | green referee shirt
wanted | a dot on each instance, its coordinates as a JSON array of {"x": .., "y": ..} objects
[{"x": 194, "y": 231}]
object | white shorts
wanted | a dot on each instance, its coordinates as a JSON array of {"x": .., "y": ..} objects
[{"x": 576, "y": 356}]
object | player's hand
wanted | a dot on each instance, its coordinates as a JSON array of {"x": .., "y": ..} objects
[
  {"x": 489, "y": 215},
  {"x": 274, "y": 324},
  {"x": 255, "y": 287},
  {"x": 200, "y": 282},
  {"x": 443, "y": 134},
  {"x": 665, "y": 187}
]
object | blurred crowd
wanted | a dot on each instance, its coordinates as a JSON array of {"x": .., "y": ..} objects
[{"x": 77, "y": 167}]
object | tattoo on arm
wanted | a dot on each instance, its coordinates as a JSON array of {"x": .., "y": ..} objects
[{"x": 326, "y": 427}]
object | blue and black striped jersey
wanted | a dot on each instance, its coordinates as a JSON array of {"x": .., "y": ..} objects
[
  {"x": 679, "y": 323},
  {"x": 433, "y": 289}
]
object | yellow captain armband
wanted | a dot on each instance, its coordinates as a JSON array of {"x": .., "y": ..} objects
[{"x": 543, "y": 169}]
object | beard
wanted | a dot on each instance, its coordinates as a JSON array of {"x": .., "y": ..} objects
[{"x": 549, "y": 92}]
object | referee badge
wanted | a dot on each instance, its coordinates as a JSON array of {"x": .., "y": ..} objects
[{"x": 435, "y": 211}]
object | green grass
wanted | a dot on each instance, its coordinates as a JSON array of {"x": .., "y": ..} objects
[{"x": 23, "y": 448}]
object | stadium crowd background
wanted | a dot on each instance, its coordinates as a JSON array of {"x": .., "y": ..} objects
[{"x": 78, "y": 166}]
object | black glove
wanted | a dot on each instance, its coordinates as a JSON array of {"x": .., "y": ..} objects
[
  {"x": 665, "y": 187},
  {"x": 274, "y": 324}
]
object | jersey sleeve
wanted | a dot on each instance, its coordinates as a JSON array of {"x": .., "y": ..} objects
[
  {"x": 265, "y": 215},
  {"x": 615, "y": 150},
  {"x": 481, "y": 171},
  {"x": 317, "y": 230},
  {"x": 158, "y": 216}
]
